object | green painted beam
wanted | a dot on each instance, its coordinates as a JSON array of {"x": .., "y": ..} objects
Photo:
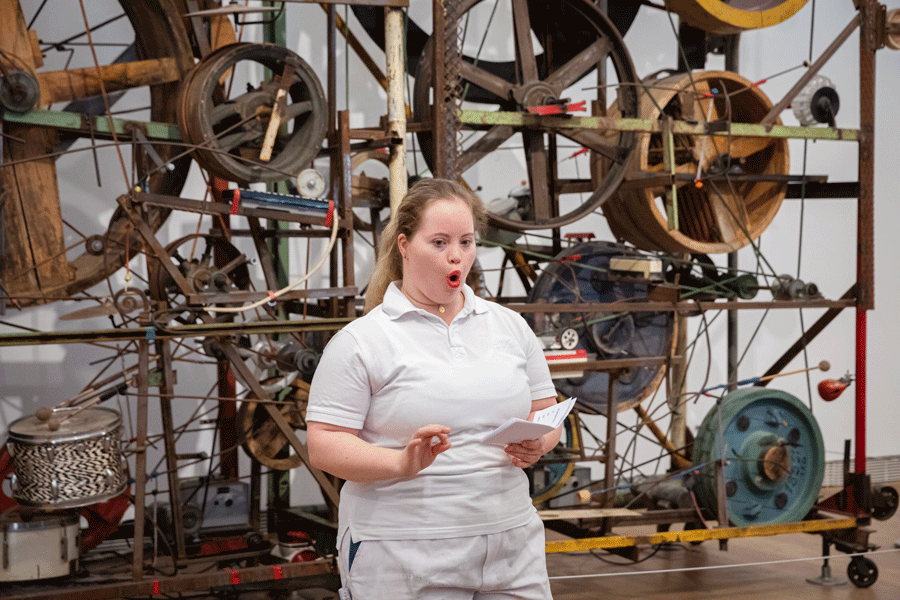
[
  {"x": 517, "y": 119},
  {"x": 100, "y": 125}
]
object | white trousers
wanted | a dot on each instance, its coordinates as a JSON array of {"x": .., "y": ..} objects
[{"x": 506, "y": 565}]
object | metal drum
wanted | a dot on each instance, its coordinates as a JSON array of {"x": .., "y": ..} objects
[
  {"x": 39, "y": 548},
  {"x": 77, "y": 464}
]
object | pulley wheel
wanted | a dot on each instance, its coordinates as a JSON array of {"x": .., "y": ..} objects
[
  {"x": 774, "y": 457},
  {"x": 567, "y": 43},
  {"x": 734, "y": 16},
  {"x": 581, "y": 274},
  {"x": 225, "y": 109},
  {"x": 371, "y": 194},
  {"x": 262, "y": 439},
  {"x": 197, "y": 257}
]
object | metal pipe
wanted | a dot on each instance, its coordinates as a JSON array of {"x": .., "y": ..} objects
[
  {"x": 393, "y": 30},
  {"x": 868, "y": 44}
]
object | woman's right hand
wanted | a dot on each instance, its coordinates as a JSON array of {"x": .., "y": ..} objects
[
  {"x": 340, "y": 451},
  {"x": 423, "y": 448}
]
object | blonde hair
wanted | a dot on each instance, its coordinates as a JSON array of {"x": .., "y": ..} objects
[{"x": 407, "y": 220}]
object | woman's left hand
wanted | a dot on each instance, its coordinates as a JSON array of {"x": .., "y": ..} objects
[{"x": 525, "y": 453}]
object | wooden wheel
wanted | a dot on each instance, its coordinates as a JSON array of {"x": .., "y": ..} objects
[
  {"x": 740, "y": 194},
  {"x": 263, "y": 440},
  {"x": 54, "y": 244}
]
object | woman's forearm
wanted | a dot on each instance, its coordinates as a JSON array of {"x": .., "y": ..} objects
[
  {"x": 345, "y": 455},
  {"x": 340, "y": 451}
]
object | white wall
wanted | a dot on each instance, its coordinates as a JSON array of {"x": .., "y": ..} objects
[{"x": 820, "y": 236}]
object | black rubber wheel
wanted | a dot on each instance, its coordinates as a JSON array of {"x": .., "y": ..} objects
[{"x": 862, "y": 572}]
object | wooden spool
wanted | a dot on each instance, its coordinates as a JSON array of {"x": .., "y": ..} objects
[{"x": 725, "y": 214}]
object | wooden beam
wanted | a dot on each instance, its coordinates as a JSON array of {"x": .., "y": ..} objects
[{"x": 74, "y": 84}]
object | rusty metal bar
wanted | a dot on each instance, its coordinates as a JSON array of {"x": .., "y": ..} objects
[
  {"x": 807, "y": 337},
  {"x": 166, "y": 392},
  {"x": 868, "y": 45},
  {"x": 243, "y": 372},
  {"x": 345, "y": 208},
  {"x": 202, "y": 330},
  {"x": 318, "y": 573},
  {"x": 140, "y": 459},
  {"x": 439, "y": 108},
  {"x": 776, "y": 110},
  {"x": 680, "y": 461}
]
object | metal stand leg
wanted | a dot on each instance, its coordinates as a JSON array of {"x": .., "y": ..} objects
[{"x": 826, "y": 579}]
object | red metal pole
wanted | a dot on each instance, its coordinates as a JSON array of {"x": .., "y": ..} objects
[
  {"x": 865, "y": 263},
  {"x": 860, "y": 460}
]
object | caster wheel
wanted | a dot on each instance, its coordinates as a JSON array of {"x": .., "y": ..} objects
[{"x": 862, "y": 572}]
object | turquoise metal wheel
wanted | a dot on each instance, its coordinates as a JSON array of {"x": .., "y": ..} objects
[{"x": 773, "y": 452}]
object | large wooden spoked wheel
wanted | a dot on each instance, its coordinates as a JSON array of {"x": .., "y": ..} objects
[
  {"x": 558, "y": 50},
  {"x": 741, "y": 189},
  {"x": 54, "y": 244}
]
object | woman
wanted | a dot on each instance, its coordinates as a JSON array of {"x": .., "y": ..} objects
[{"x": 399, "y": 404}]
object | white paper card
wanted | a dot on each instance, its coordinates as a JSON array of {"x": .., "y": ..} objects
[{"x": 544, "y": 421}]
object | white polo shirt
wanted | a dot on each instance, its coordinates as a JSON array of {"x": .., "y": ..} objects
[{"x": 398, "y": 368}]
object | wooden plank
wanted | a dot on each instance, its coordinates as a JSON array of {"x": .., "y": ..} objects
[
  {"x": 73, "y": 84},
  {"x": 15, "y": 40},
  {"x": 34, "y": 249}
]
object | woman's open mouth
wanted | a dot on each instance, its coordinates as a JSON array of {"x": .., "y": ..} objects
[{"x": 454, "y": 279}]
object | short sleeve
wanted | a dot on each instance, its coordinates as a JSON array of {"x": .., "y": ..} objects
[
  {"x": 340, "y": 393},
  {"x": 539, "y": 380}
]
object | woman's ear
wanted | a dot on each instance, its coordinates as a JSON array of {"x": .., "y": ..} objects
[{"x": 402, "y": 243}]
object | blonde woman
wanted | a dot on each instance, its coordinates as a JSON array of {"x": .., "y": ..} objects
[{"x": 399, "y": 405}]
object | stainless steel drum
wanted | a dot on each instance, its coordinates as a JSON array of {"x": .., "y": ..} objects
[
  {"x": 77, "y": 464},
  {"x": 42, "y": 547}
]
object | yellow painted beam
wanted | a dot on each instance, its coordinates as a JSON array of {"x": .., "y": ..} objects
[{"x": 698, "y": 535}]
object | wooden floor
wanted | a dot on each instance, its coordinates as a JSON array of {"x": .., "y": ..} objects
[
  {"x": 754, "y": 568},
  {"x": 761, "y": 568}
]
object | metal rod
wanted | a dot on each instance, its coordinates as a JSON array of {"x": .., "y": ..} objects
[
  {"x": 439, "y": 106},
  {"x": 776, "y": 110},
  {"x": 140, "y": 460},
  {"x": 393, "y": 29},
  {"x": 868, "y": 44}
]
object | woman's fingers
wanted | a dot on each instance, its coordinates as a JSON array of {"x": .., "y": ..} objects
[
  {"x": 425, "y": 445},
  {"x": 525, "y": 453}
]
